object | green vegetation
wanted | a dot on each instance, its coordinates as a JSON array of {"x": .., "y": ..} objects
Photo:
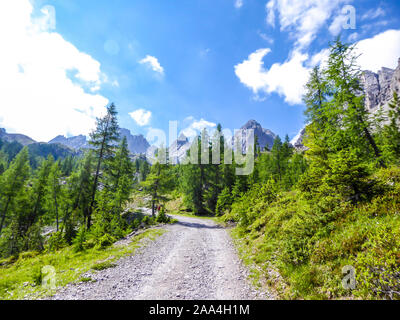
[
  {"x": 21, "y": 279},
  {"x": 66, "y": 213},
  {"x": 302, "y": 217}
]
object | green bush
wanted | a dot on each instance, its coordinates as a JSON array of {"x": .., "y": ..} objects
[
  {"x": 105, "y": 241},
  {"x": 80, "y": 239},
  {"x": 55, "y": 242},
  {"x": 162, "y": 217},
  {"x": 378, "y": 265},
  {"x": 146, "y": 220},
  {"x": 103, "y": 265}
]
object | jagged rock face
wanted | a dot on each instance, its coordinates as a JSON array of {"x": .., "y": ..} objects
[
  {"x": 297, "y": 141},
  {"x": 179, "y": 148},
  {"x": 137, "y": 144},
  {"x": 265, "y": 137},
  {"x": 379, "y": 87},
  {"x": 75, "y": 143},
  {"x": 11, "y": 137}
]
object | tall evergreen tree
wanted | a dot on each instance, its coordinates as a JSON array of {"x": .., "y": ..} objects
[{"x": 103, "y": 140}]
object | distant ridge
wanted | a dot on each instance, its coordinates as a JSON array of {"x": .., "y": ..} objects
[{"x": 11, "y": 137}]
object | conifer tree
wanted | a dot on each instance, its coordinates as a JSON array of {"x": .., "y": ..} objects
[
  {"x": 103, "y": 140},
  {"x": 12, "y": 182}
]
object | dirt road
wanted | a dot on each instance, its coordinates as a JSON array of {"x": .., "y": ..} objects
[{"x": 194, "y": 259}]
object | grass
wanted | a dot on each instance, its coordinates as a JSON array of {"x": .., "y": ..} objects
[{"x": 22, "y": 279}]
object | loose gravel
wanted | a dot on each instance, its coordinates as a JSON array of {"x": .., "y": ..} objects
[{"x": 194, "y": 259}]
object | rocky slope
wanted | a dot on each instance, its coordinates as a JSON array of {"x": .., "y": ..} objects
[
  {"x": 75, "y": 143},
  {"x": 379, "y": 87},
  {"x": 137, "y": 144},
  {"x": 11, "y": 137},
  {"x": 265, "y": 137},
  {"x": 178, "y": 148}
]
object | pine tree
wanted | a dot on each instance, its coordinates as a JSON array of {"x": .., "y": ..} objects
[
  {"x": 119, "y": 175},
  {"x": 38, "y": 193},
  {"x": 54, "y": 191},
  {"x": 158, "y": 182},
  {"x": 103, "y": 140},
  {"x": 12, "y": 182},
  {"x": 391, "y": 131},
  {"x": 344, "y": 75}
]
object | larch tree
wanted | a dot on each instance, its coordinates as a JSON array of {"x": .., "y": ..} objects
[{"x": 103, "y": 140}]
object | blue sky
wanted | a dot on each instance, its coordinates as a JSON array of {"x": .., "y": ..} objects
[{"x": 200, "y": 62}]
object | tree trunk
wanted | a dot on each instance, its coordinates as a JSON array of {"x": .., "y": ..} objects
[
  {"x": 374, "y": 146},
  {"x": 96, "y": 180},
  {"x": 56, "y": 205}
]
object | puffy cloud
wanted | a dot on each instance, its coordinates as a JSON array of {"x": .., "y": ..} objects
[
  {"x": 45, "y": 81},
  {"x": 287, "y": 79},
  {"x": 153, "y": 63},
  {"x": 303, "y": 19},
  {"x": 382, "y": 50},
  {"x": 196, "y": 126},
  {"x": 142, "y": 117}
]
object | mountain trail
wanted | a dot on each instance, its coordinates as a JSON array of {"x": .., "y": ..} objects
[{"x": 194, "y": 259}]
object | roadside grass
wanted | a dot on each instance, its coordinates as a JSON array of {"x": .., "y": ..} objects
[{"x": 23, "y": 278}]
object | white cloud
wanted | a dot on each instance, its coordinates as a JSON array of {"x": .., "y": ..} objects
[
  {"x": 270, "y": 7},
  {"x": 286, "y": 79},
  {"x": 142, "y": 117},
  {"x": 45, "y": 81},
  {"x": 238, "y": 4},
  {"x": 153, "y": 63},
  {"x": 196, "y": 126},
  {"x": 302, "y": 19},
  {"x": 265, "y": 37},
  {"x": 320, "y": 58},
  {"x": 373, "y": 14},
  {"x": 382, "y": 50},
  {"x": 353, "y": 37}
]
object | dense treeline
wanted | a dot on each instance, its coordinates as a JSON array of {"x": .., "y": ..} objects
[{"x": 80, "y": 198}]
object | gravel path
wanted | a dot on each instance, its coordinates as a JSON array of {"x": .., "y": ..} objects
[{"x": 195, "y": 259}]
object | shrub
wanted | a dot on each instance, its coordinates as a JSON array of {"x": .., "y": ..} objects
[
  {"x": 80, "y": 239},
  {"x": 28, "y": 255},
  {"x": 56, "y": 242},
  {"x": 105, "y": 241},
  {"x": 146, "y": 220},
  {"x": 103, "y": 265},
  {"x": 162, "y": 217},
  {"x": 378, "y": 266}
]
